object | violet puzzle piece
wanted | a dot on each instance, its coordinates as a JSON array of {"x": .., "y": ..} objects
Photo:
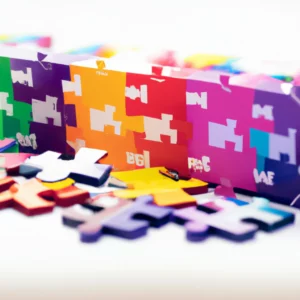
[
  {"x": 119, "y": 217},
  {"x": 89, "y": 221},
  {"x": 133, "y": 222},
  {"x": 232, "y": 220},
  {"x": 82, "y": 169}
]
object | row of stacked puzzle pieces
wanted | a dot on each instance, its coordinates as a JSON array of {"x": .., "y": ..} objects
[
  {"x": 126, "y": 204},
  {"x": 218, "y": 127}
]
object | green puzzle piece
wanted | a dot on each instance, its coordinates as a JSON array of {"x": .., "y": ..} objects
[{"x": 21, "y": 118}]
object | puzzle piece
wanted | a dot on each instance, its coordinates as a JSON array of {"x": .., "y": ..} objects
[
  {"x": 154, "y": 128},
  {"x": 30, "y": 197},
  {"x": 4, "y": 105},
  {"x": 73, "y": 86},
  {"x": 100, "y": 119},
  {"x": 120, "y": 218},
  {"x": 196, "y": 99},
  {"x": 133, "y": 93},
  {"x": 82, "y": 169},
  {"x": 42, "y": 111},
  {"x": 149, "y": 182},
  {"x": 220, "y": 134},
  {"x": 232, "y": 220},
  {"x": 24, "y": 78}
]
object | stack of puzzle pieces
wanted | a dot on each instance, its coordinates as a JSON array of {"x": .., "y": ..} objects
[
  {"x": 98, "y": 201},
  {"x": 239, "y": 130}
]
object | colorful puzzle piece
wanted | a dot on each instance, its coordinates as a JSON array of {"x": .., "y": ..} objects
[
  {"x": 232, "y": 219},
  {"x": 83, "y": 168},
  {"x": 150, "y": 181},
  {"x": 120, "y": 218},
  {"x": 31, "y": 197}
]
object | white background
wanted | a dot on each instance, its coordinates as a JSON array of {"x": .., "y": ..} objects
[{"x": 41, "y": 259}]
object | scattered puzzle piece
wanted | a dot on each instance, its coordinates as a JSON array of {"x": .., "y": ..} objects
[
  {"x": 120, "y": 218},
  {"x": 30, "y": 196},
  {"x": 82, "y": 169},
  {"x": 150, "y": 181},
  {"x": 232, "y": 220}
]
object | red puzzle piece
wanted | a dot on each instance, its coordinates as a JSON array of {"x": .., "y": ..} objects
[{"x": 32, "y": 197}]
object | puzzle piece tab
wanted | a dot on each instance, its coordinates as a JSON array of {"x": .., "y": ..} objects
[
  {"x": 232, "y": 219},
  {"x": 120, "y": 218}
]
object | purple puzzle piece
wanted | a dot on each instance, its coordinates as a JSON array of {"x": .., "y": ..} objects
[
  {"x": 133, "y": 222},
  {"x": 119, "y": 217},
  {"x": 90, "y": 223},
  {"x": 232, "y": 220}
]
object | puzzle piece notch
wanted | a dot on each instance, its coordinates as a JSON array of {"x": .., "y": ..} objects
[
  {"x": 83, "y": 168},
  {"x": 134, "y": 93},
  {"x": 4, "y": 105},
  {"x": 73, "y": 86},
  {"x": 155, "y": 128},
  {"x": 219, "y": 134},
  {"x": 32, "y": 197},
  {"x": 100, "y": 119},
  {"x": 42, "y": 111},
  {"x": 196, "y": 99},
  {"x": 123, "y": 218},
  {"x": 236, "y": 222},
  {"x": 24, "y": 78}
]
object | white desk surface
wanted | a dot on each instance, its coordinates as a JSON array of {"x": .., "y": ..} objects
[{"x": 42, "y": 259}]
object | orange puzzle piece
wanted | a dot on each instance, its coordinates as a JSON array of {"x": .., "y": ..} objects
[
  {"x": 32, "y": 197},
  {"x": 102, "y": 122}
]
